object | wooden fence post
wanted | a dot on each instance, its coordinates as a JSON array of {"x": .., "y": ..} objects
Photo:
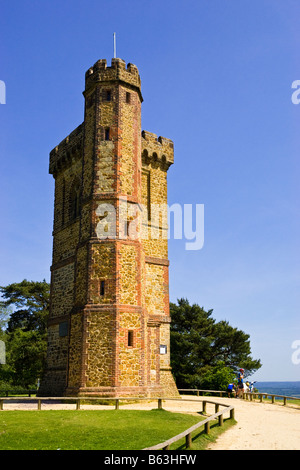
[
  {"x": 204, "y": 407},
  {"x": 221, "y": 420},
  {"x": 78, "y": 404},
  {"x": 39, "y": 404},
  {"x": 207, "y": 427},
  {"x": 188, "y": 441},
  {"x": 232, "y": 413},
  {"x": 1, "y": 405},
  {"x": 117, "y": 404},
  {"x": 160, "y": 404}
]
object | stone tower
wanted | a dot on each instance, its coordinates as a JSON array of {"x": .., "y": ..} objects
[{"x": 109, "y": 326}]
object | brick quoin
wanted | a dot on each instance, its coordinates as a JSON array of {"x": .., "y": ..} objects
[{"x": 109, "y": 307}]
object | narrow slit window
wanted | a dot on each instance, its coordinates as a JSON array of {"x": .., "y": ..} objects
[
  {"x": 128, "y": 97},
  {"x": 108, "y": 95},
  {"x": 102, "y": 288},
  {"x": 130, "y": 338},
  {"x": 106, "y": 133},
  {"x": 127, "y": 227}
]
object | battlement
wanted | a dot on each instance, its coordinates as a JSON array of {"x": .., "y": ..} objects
[
  {"x": 156, "y": 148},
  {"x": 66, "y": 149},
  {"x": 100, "y": 72}
]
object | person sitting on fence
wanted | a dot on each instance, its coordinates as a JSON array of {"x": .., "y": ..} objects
[{"x": 231, "y": 390}]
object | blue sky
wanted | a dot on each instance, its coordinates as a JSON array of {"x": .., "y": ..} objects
[{"x": 216, "y": 78}]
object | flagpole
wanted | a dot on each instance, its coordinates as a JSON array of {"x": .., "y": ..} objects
[{"x": 115, "y": 48}]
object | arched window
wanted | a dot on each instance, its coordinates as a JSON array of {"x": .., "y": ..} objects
[{"x": 75, "y": 200}]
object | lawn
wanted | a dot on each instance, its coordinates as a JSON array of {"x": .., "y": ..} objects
[{"x": 89, "y": 430}]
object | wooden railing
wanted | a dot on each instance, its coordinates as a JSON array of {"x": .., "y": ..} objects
[
  {"x": 260, "y": 395},
  {"x": 246, "y": 395},
  {"x": 76, "y": 400},
  {"x": 115, "y": 400},
  {"x": 204, "y": 423}
]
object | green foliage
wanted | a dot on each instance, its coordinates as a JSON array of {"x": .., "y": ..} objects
[
  {"x": 216, "y": 377},
  {"x": 26, "y": 355},
  {"x": 5, "y": 313},
  {"x": 27, "y": 303},
  {"x": 34, "y": 296},
  {"x": 206, "y": 353}
]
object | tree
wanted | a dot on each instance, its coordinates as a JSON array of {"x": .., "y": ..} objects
[
  {"x": 200, "y": 347},
  {"x": 26, "y": 355},
  {"x": 217, "y": 377},
  {"x": 28, "y": 295},
  {"x": 5, "y": 313},
  {"x": 25, "y": 335}
]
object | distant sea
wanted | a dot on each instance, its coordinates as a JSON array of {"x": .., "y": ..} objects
[{"x": 289, "y": 389}]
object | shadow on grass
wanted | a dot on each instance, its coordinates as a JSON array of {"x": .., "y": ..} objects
[{"x": 200, "y": 439}]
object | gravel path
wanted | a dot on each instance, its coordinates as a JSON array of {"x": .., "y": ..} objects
[{"x": 261, "y": 426}]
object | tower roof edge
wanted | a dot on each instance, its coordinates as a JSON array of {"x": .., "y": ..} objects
[{"x": 101, "y": 72}]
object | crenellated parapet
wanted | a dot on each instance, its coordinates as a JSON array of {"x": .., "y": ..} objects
[
  {"x": 157, "y": 149},
  {"x": 68, "y": 149},
  {"x": 154, "y": 149},
  {"x": 118, "y": 71}
]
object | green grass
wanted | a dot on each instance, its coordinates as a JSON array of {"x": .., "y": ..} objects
[
  {"x": 279, "y": 401},
  {"x": 84, "y": 430},
  {"x": 200, "y": 440},
  {"x": 294, "y": 402},
  {"x": 100, "y": 430}
]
